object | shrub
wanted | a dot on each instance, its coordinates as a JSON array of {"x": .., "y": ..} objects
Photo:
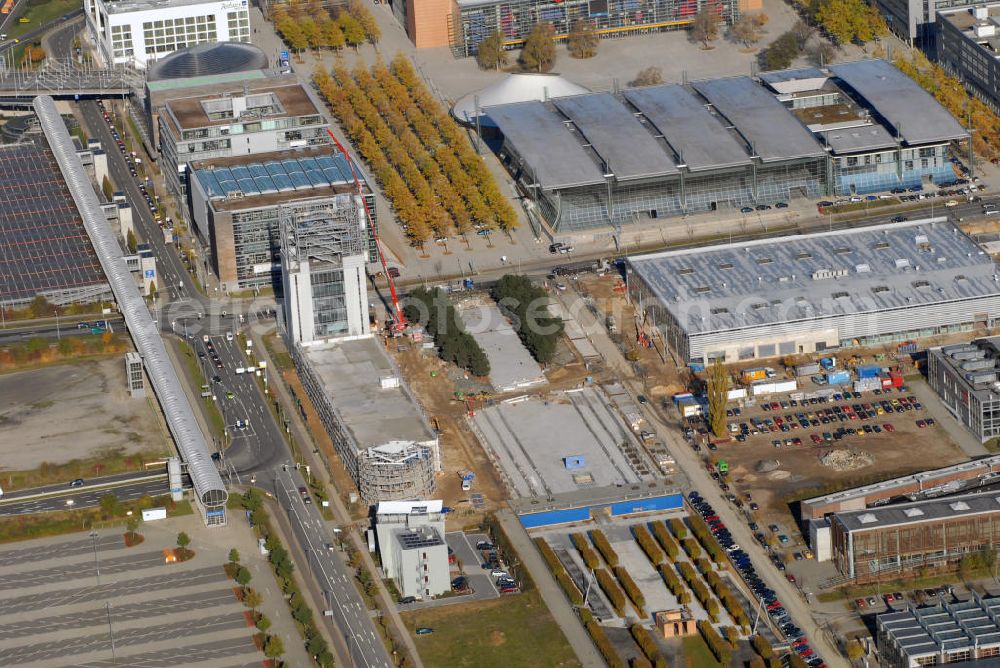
[
  {"x": 677, "y": 528},
  {"x": 648, "y": 545},
  {"x": 559, "y": 571},
  {"x": 454, "y": 344},
  {"x": 719, "y": 647},
  {"x": 732, "y": 635},
  {"x": 762, "y": 646},
  {"x": 589, "y": 557},
  {"x": 611, "y": 590},
  {"x": 665, "y": 540},
  {"x": 639, "y": 661},
  {"x": 674, "y": 583},
  {"x": 644, "y": 639},
  {"x": 604, "y": 645},
  {"x": 604, "y": 547},
  {"x": 691, "y": 547},
  {"x": 632, "y": 589}
]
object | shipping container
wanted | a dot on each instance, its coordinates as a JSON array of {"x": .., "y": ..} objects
[
  {"x": 868, "y": 384},
  {"x": 868, "y": 371},
  {"x": 748, "y": 375},
  {"x": 838, "y": 377},
  {"x": 807, "y": 369},
  {"x": 737, "y": 394},
  {"x": 907, "y": 348},
  {"x": 682, "y": 396},
  {"x": 886, "y": 382}
]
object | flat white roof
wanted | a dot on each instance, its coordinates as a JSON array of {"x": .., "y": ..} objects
[{"x": 409, "y": 507}]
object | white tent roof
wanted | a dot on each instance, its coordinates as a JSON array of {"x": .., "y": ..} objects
[{"x": 515, "y": 88}]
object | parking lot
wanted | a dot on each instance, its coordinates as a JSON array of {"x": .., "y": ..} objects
[{"x": 86, "y": 601}]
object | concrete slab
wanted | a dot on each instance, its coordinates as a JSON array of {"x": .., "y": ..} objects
[
  {"x": 511, "y": 365},
  {"x": 658, "y": 597}
]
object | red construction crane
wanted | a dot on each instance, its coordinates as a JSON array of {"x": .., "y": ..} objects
[{"x": 398, "y": 321}]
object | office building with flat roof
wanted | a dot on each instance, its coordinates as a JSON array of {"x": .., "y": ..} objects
[
  {"x": 959, "y": 632},
  {"x": 245, "y": 117},
  {"x": 968, "y": 46},
  {"x": 875, "y": 542},
  {"x": 615, "y": 159},
  {"x": 375, "y": 422},
  {"x": 817, "y": 292},
  {"x": 966, "y": 378},
  {"x": 236, "y": 206},
  {"x": 412, "y": 548},
  {"x": 136, "y": 32}
]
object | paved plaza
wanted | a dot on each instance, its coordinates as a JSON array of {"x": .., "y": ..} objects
[{"x": 83, "y": 601}]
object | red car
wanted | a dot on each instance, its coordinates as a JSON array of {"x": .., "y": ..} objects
[
  {"x": 774, "y": 604},
  {"x": 816, "y": 438},
  {"x": 888, "y": 427},
  {"x": 860, "y": 602}
]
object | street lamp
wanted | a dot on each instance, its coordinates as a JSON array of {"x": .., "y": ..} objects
[{"x": 97, "y": 563}]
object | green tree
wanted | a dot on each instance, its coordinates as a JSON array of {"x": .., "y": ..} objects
[
  {"x": 539, "y": 51},
  {"x": 243, "y": 576},
  {"x": 263, "y": 623},
  {"x": 491, "y": 55},
  {"x": 40, "y": 307},
  {"x": 107, "y": 188},
  {"x": 582, "y": 39},
  {"x": 183, "y": 540},
  {"x": 274, "y": 647},
  {"x": 354, "y": 33},
  {"x": 301, "y": 613},
  {"x": 234, "y": 556},
  {"x": 131, "y": 524},
  {"x": 130, "y": 241},
  {"x": 331, "y": 35},
  {"x": 718, "y": 396},
  {"x": 251, "y": 500},
  {"x": 110, "y": 505},
  {"x": 705, "y": 27},
  {"x": 252, "y": 599},
  {"x": 782, "y": 51},
  {"x": 310, "y": 32},
  {"x": 315, "y": 645}
]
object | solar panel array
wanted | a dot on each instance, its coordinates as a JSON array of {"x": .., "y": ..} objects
[
  {"x": 274, "y": 176},
  {"x": 43, "y": 244}
]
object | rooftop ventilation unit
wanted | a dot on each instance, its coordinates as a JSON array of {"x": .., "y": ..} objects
[
  {"x": 867, "y": 518},
  {"x": 959, "y": 505},
  {"x": 913, "y": 512}
]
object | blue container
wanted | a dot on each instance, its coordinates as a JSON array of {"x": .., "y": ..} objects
[
  {"x": 696, "y": 366},
  {"x": 838, "y": 377},
  {"x": 869, "y": 371}
]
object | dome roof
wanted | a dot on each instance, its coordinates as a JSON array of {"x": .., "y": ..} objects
[
  {"x": 207, "y": 59},
  {"x": 515, "y": 88}
]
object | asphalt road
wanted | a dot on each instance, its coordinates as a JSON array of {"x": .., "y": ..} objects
[
  {"x": 81, "y": 497},
  {"x": 53, "y": 331},
  {"x": 349, "y": 613}
]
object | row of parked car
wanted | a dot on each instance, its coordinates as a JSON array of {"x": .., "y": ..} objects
[
  {"x": 741, "y": 561},
  {"x": 491, "y": 562}
]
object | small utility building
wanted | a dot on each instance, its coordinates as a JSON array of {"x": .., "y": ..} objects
[{"x": 412, "y": 548}]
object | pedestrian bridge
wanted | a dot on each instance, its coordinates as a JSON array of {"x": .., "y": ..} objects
[{"x": 64, "y": 79}]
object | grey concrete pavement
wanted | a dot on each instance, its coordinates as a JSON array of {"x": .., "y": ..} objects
[
  {"x": 553, "y": 596},
  {"x": 945, "y": 420}
]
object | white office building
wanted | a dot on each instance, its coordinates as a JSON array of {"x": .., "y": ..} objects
[
  {"x": 412, "y": 548},
  {"x": 323, "y": 256},
  {"x": 140, "y": 31}
]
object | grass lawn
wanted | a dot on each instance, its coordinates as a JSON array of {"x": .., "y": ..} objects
[
  {"x": 510, "y": 631},
  {"x": 696, "y": 652},
  {"x": 41, "y": 12}
]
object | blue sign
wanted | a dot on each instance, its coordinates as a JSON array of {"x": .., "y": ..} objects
[
  {"x": 150, "y": 273},
  {"x": 284, "y": 55},
  {"x": 216, "y": 513}
]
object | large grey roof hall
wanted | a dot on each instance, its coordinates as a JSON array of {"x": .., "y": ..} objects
[
  {"x": 767, "y": 125},
  {"x": 627, "y": 147},
  {"x": 908, "y": 108}
]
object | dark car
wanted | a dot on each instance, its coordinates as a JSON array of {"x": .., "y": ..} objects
[
  {"x": 781, "y": 205},
  {"x": 77, "y": 483},
  {"x": 407, "y": 599},
  {"x": 746, "y": 209}
]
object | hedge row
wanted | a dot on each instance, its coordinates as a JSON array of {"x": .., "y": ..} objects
[
  {"x": 589, "y": 557},
  {"x": 692, "y": 547},
  {"x": 677, "y": 528},
  {"x": 674, "y": 584},
  {"x": 604, "y": 547},
  {"x": 729, "y": 600},
  {"x": 611, "y": 590},
  {"x": 648, "y": 545},
  {"x": 665, "y": 540},
  {"x": 638, "y": 661},
  {"x": 704, "y": 535},
  {"x": 700, "y": 590},
  {"x": 796, "y": 661},
  {"x": 762, "y": 646},
  {"x": 559, "y": 571},
  {"x": 720, "y": 648},
  {"x": 732, "y": 635},
  {"x": 644, "y": 639},
  {"x": 604, "y": 645},
  {"x": 703, "y": 565},
  {"x": 632, "y": 589}
]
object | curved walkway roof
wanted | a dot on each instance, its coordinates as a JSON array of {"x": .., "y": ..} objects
[
  {"x": 177, "y": 409},
  {"x": 520, "y": 87}
]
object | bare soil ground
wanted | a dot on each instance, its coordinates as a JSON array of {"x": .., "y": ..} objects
[{"x": 74, "y": 411}]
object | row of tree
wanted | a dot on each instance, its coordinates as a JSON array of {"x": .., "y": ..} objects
[
  {"x": 559, "y": 571},
  {"x": 950, "y": 92},
  {"x": 454, "y": 344},
  {"x": 313, "y": 26},
  {"x": 525, "y": 304},
  {"x": 437, "y": 184},
  {"x": 600, "y": 638}
]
